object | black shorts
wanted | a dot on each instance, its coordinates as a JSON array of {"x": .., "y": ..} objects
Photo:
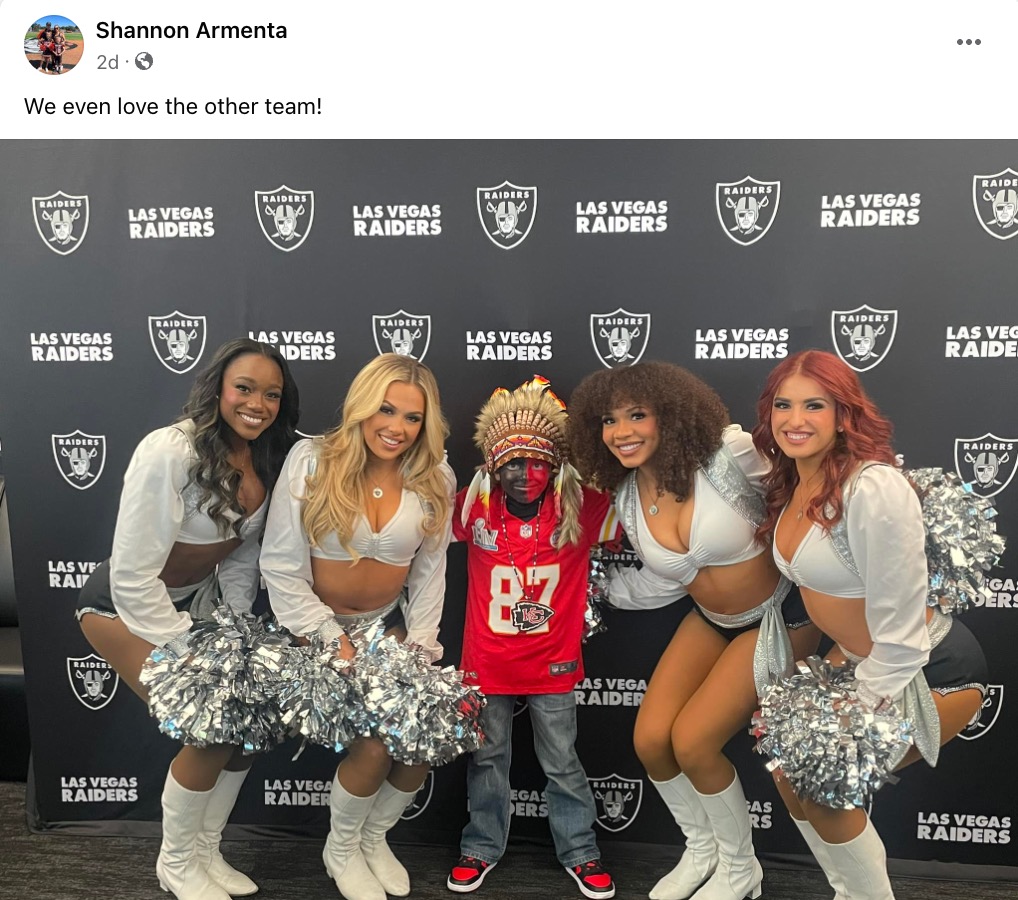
[
  {"x": 957, "y": 663},
  {"x": 96, "y": 597},
  {"x": 793, "y": 612}
]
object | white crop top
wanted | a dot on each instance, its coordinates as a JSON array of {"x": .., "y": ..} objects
[
  {"x": 157, "y": 509},
  {"x": 718, "y": 535},
  {"x": 287, "y": 552},
  {"x": 887, "y": 539}
]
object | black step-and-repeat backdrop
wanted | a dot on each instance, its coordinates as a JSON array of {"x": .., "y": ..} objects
[{"x": 126, "y": 263}]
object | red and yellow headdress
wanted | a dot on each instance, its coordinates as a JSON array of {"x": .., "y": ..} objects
[{"x": 527, "y": 422}]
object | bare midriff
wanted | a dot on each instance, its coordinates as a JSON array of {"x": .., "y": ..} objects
[
  {"x": 349, "y": 588},
  {"x": 842, "y": 619},
  {"x": 730, "y": 590},
  {"x": 190, "y": 563}
]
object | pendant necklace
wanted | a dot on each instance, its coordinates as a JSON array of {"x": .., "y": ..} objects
[
  {"x": 508, "y": 546},
  {"x": 803, "y": 500},
  {"x": 376, "y": 491},
  {"x": 653, "y": 509}
]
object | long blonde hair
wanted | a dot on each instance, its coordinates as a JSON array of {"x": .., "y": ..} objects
[{"x": 336, "y": 494}]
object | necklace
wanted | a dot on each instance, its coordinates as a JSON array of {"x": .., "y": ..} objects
[
  {"x": 804, "y": 497},
  {"x": 654, "y": 509},
  {"x": 509, "y": 549},
  {"x": 376, "y": 491}
]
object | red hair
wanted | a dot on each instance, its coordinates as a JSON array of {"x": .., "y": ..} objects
[{"x": 863, "y": 435}]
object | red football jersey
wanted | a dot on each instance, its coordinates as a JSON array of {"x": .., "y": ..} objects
[{"x": 525, "y": 599}]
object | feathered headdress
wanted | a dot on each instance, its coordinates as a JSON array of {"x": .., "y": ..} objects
[{"x": 528, "y": 422}]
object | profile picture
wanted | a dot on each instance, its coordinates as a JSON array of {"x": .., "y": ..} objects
[{"x": 53, "y": 45}]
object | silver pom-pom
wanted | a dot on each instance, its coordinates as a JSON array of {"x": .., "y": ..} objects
[
  {"x": 830, "y": 747},
  {"x": 597, "y": 595},
  {"x": 202, "y": 691},
  {"x": 313, "y": 691},
  {"x": 962, "y": 543},
  {"x": 388, "y": 690},
  {"x": 422, "y": 713}
]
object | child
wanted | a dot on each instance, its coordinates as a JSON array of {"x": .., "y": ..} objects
[{"x": 527, "y": 565}]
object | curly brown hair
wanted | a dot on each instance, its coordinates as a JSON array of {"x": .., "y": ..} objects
[{"x": 690, "y": 419}]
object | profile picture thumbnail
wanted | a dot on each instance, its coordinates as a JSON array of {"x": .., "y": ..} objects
[{"x": 53, "y": 45}]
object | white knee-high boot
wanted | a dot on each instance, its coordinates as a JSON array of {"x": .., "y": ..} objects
[
  {"x": 342, "y": 854},
  {"x": 738, "y": 873},
  {"x": 389, "y": 805},
  {"x": 700, "y": 858},
  {"x": 819, "y": 848},
  {"x": 861, "y": 866},
  {"x": 224, "y": 796},
  {"x": 179, "y": 870}
]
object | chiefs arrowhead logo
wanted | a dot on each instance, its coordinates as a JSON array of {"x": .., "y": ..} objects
[{"x": 528, "y": 616}]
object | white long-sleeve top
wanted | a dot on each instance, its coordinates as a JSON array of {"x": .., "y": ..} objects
[
  {"x": 158, "y": 508},
  {"x": 718, "y": 535},
  {"x": 287, "y": 552},
  {"x": 885, "y": 533}
]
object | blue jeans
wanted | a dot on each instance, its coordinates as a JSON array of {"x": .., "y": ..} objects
[{"x": 571, "y": 810}]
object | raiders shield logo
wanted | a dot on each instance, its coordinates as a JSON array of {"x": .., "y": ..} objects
[
  {"x": 507, "y": 213},
  {"x": 407, "y": 334},
  {"x": 618, "y": 801},
  {"x": 620, "y": 337},
  {"x": 421, "y": 799},
  {"x": 987, "y": 463},
  {"x": 285, "y": 216},
  {"x": 995, "y": 198},
  {"x": 178, "y": 340},
  {"x": 746, "y": 209},
  {"x": 93, "y": 680},
  {"x": 80, "y": 457},
  {"x": 988, "y": 713},
  {"x": 61, "y": 220},
  {"x": 529, "y": 616},
  {"x": 862, "y": 336}
]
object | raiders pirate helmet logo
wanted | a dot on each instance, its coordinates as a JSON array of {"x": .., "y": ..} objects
[
  {"x": 407, "y": 334},
  {"x": 507, "y": 213},
  {"x": 995, "y": 198},
  {"x": 61, "y": 221},
  {"x": 178, "y": 340},
  {"x": 285, "y": 216},
  {"x": 986, "y": 463},
  {"x": 863, "y": 336},
  {"x": 618, "y": 801},
  {"x": 986, "y": 718}
]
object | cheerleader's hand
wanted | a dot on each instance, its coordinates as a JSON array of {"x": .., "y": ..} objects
[
  {"x": 333, "y": 635},
  {"x": 178, "y": 647},
  {"x": 872, "y": 700}
]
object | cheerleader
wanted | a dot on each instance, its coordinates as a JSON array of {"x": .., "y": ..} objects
[
  {"x": 848, "y": 529},
  {"x": 191, "y": 513},
  {"x": 688, "y": 490},
  {"x": 357, "y": 514}
]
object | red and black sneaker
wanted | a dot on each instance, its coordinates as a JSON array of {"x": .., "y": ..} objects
[
  {"x": 469, "y": 872},
  {"x": 593, "y": 880}
]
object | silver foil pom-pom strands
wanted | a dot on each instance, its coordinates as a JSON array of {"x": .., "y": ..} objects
[
  {"x": 962, "y": 543},
  {"x": 597, "y": 595},
  {"x": 388, "y": 690},
  {"x": 831, "y": 747},
  {"x": 203, "y": 691}
]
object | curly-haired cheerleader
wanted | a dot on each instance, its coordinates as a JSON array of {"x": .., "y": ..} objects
[{"x": 688, "y": 489}]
